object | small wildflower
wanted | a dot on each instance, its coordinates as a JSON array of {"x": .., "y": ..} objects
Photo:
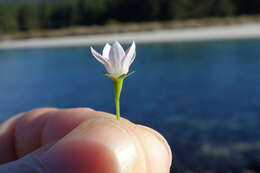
[{"x": 117, "y": 63}]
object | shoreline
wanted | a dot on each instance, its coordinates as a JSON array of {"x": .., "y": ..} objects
[{"x": 239, "y": 31}]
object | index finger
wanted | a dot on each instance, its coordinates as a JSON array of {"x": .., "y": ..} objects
[{"x": 29, "y": 131}]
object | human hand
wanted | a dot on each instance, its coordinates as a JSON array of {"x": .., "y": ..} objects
[{"x": 80, "y": 140}]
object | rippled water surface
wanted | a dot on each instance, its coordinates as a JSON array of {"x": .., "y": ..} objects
[{"x": 204, "y": 97}]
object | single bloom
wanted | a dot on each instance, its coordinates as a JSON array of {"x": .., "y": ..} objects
[{"x": 115, "y": 59}]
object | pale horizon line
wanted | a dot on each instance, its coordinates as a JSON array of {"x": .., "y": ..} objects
[{"x": 241, "y": 31}]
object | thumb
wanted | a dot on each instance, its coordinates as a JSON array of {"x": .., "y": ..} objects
[
  {"x": 94, "y": 146},
  {"x": 99, "y": 145}
]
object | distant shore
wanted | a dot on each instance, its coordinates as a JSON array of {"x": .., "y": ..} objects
[{"x": 203, "y": 33}]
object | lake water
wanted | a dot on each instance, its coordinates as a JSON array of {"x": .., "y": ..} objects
[{"x": 204, "y": 97}]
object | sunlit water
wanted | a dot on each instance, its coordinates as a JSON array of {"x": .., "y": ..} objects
[{"x": 203, "y": 97}]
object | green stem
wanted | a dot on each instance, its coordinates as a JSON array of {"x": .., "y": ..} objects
[
  {"x": 118, "y": 83},
  {"x": 117, "y": 101}
]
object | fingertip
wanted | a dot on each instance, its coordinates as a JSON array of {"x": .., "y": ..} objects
[
  {"x": 27, "y": 133},
  {"x": 7, "y": 129},
  {"x": 41, "y": 126},
  {"x": 63, "y": 121}
]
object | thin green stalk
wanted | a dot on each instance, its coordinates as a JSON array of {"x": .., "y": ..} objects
[
  {"x": 117, "y": 108},
  {"x": 118, "y": 83}
]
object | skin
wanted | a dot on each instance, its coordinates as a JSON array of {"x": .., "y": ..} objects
[{"x": 82, "y": 140}]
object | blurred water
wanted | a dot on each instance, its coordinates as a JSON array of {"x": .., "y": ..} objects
[{"x": 204, "y": 97}]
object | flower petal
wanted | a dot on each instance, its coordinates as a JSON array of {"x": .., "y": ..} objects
[
  {"x": 130, "y": 56},
  {"x": 133, "y": 58},
  {"x": 99, "y": 57},
  {"x": 116, "y": 54},
  {"x": 106, "y": 51},
  {"x": 103, "y": 60}
]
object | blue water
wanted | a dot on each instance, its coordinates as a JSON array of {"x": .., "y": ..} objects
[{"x": 204, "y": 97}]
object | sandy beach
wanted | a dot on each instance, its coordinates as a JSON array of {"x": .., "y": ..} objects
[{"x": 242, "y": 31}]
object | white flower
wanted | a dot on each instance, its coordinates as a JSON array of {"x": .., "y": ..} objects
[{"x": 115, "y": 59}]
